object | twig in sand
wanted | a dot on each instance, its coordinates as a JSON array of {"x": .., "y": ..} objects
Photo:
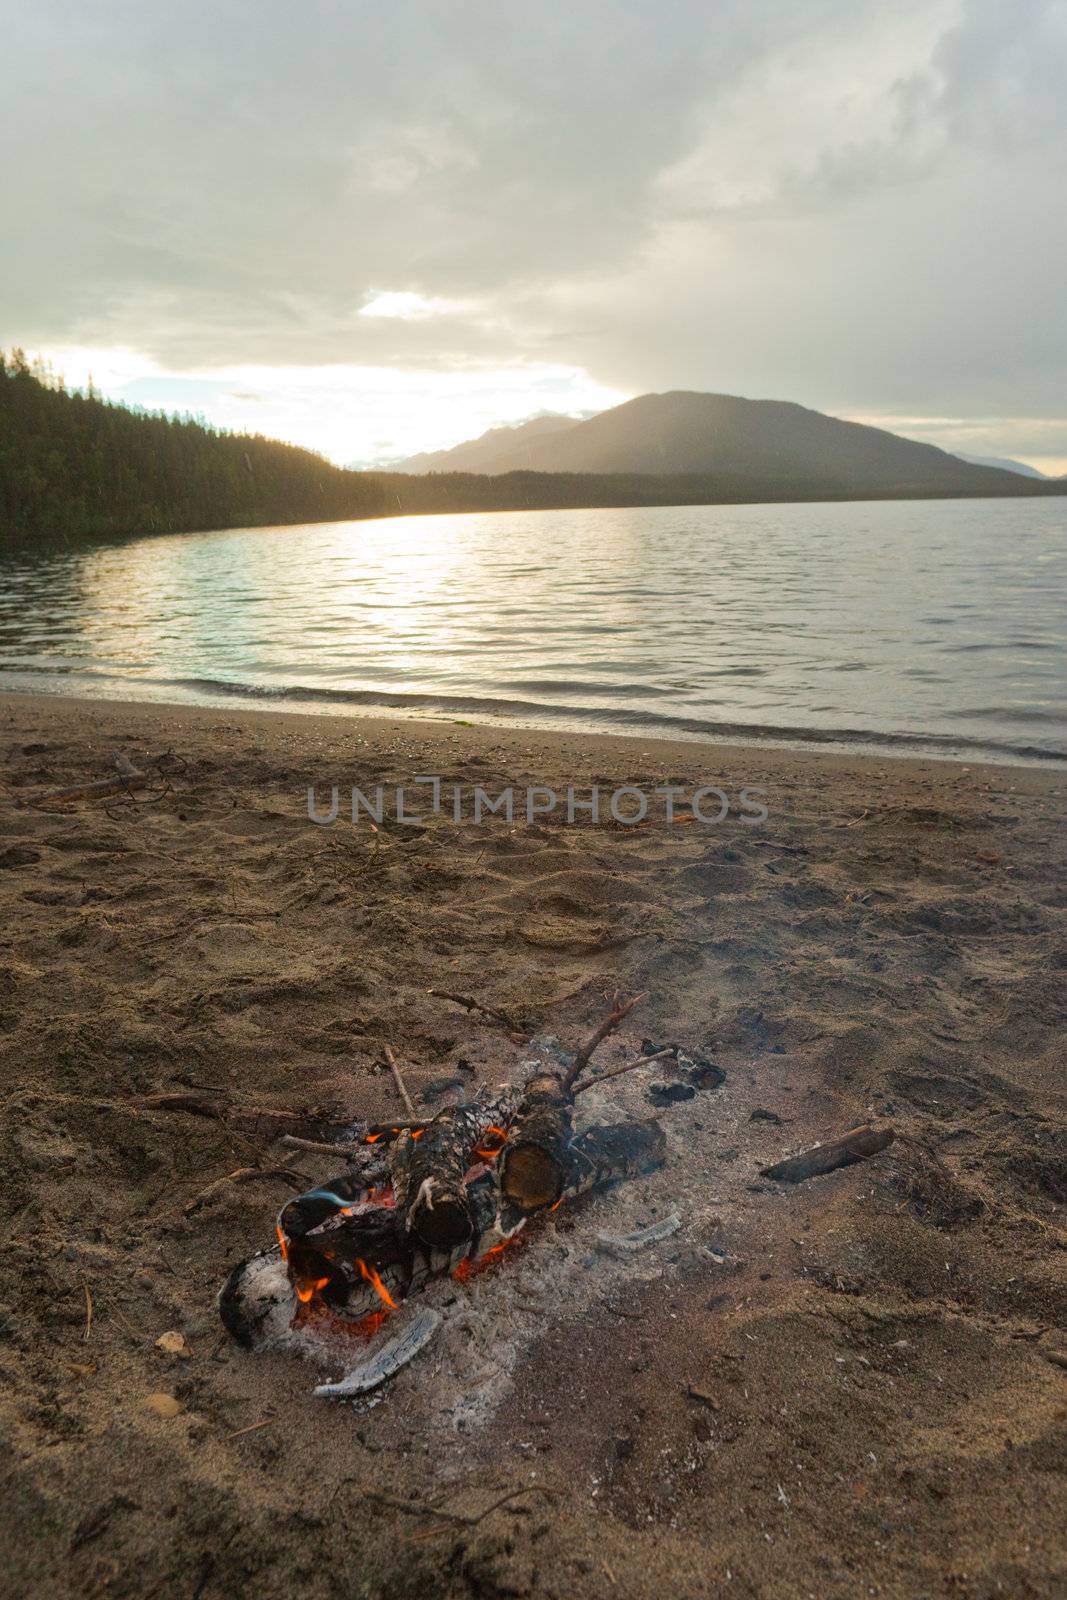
[
  {"x": 469, "y": 1003},
  {"x": 253, "y": 1427},
  {"x": 617, "y": 1072},
  {"x": 244, "y": 1121},
  {"x": 88, "y": 1312},
  {"x": 619, "y": 1010},
  {"x": 242, "y": 1175},
  {"x": 422, "y": 1509},
  {"x": 124, "y": 1322},
  {"x": 319, "y": 1147},
  {"x": 401, "y": 1086}
]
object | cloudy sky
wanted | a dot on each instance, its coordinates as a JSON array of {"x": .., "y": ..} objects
[{"x": 375, "y": 230}]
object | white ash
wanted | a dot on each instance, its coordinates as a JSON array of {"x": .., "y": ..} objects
[{"x": 491, "y": 1321}]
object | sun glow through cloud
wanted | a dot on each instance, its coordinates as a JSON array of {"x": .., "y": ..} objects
[
  {"x": 406, "y": 306},
  {"x": 356, "y": 415}
]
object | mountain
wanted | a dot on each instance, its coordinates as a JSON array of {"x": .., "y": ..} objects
[
  {"x": 1005, "y": 463},
  {"x": 759, "y": 448},
  {"x": 478, "y": 455}
]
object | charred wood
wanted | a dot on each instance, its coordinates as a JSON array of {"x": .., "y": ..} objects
[
  {"x": 610, "y": 1154},
  {"x": 536, "y": 1164}
]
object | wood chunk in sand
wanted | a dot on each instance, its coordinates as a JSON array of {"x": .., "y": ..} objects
[{"x": 856, "y": 1145}]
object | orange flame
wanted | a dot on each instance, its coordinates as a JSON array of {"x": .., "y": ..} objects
[
  {"x": 489, "y": 1152},
  {"x": 373, "y": 1197},
  {"x": 309, "y": 1288},
  {"x": 376, "y": 1284}
]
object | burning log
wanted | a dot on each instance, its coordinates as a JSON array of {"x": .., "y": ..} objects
[
  {"x": 346, "y": 1251},
  {"x": 856, "y": 1145},
  {"x": 429, "y": 1166},
  {"x": 344, "y": 1247},
  {"x": 353, "y": 1251}
]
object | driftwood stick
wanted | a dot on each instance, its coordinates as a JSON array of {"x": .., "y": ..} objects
[
  {"x": 401, "y": 1086},
  {"x": 469, "y": 1003},
  {"x": 126, "y": 775},
  {"x": 617, "y": 1072},
  {"x": 581, "y": 1056},
  {"x": 856, "y": 1145}
]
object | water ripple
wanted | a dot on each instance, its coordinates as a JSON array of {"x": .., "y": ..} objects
[{"x": 935, "y": 625}]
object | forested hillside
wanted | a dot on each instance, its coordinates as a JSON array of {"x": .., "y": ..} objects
[{"x": 72, "y": 466}]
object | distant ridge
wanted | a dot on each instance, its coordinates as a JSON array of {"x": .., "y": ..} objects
[
  {"x": 1006, "y": 464},
  {"x": 767, "y": 445},
  {"x": 478, "y": 455}
]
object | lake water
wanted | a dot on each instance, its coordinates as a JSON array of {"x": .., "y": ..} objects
[{"x": 937, "y": 625}]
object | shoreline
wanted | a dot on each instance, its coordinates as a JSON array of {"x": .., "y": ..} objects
[
  {"x": 1034, "y": 488},
  {"x": 846, "y": 746}
]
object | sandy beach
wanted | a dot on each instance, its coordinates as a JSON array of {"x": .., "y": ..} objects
[{"x": 864, "y": 1388}]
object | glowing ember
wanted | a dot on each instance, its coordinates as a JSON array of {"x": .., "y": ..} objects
[
  {"x": 471, "y": 1267},
  {"x": 368, "y": 1326}
]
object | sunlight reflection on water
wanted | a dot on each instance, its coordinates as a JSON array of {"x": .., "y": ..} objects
[{"x": 935, "y": 620}]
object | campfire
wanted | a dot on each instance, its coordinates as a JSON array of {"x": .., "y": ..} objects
[
  {"x": 425, "y": 1198},
  {"x": 429, "y": 1202}
]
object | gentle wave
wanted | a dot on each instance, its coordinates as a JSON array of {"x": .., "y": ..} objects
[
  {"x": 934, "y": 627},
  {"x": 559, "y": 716}
]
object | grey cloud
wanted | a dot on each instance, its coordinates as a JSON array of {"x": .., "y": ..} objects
[{"x": 618, "y": 185}]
